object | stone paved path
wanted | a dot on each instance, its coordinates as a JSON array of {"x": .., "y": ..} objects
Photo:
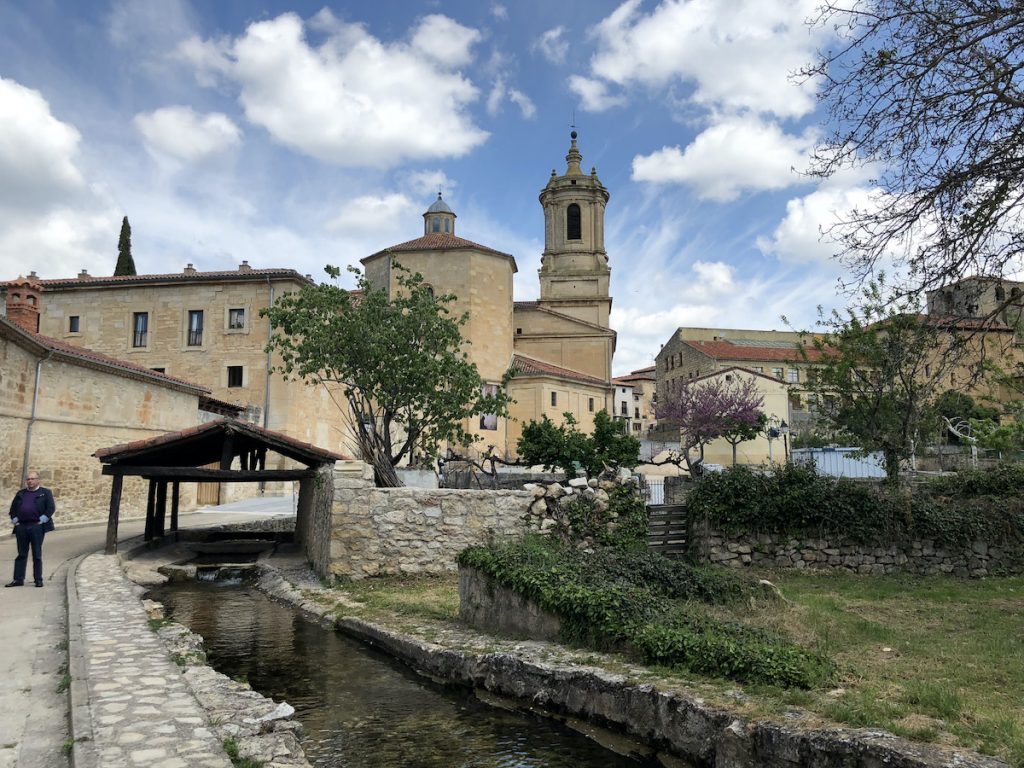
[{"x": 141, "y": 711}]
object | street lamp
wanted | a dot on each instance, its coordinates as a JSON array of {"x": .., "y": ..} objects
[{"x": 774, "y": 429}]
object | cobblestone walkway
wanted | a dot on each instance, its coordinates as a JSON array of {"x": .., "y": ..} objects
[{"x": 139, "y": 709}]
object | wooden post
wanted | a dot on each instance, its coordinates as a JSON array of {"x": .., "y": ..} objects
[
  {"x": 161, "y": 507},
  {"x": 150, "y": 504},
  {"x": 115, "y": 513},
  {"x": 175, "y": 492}
]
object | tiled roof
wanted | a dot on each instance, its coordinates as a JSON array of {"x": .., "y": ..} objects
[
  {"x": 98, "y": 359},
  {"x": 724, "y": 350},
  {"x": 438, "y": 241},
  {"x": 233, "y": 275},
  {"x": 528, "y": 366},
  {"x": 111, "y": 454}
]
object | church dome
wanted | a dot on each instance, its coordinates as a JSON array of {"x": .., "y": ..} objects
[
  {"x": 439, "y": 218},
  {"x": 439, "y": 206}
]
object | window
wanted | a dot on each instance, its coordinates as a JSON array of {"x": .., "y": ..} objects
[
  {"x": 573, "y": 225},
  {"x": 777, "y": 373},
  {"x": 554, "y": 399},
  {"x": 636, "y": 413},
  {"x": 195, "y": 327},
  {"x": 140, "y": 329},
  {"x": 728, "y": 377},
  {"x": 236, "y": 319},
  {"x": 446, "y": 225},
  {"x": 158, "y": 370},
  {"x": 234, "y": 376},
  {"x": 519, "y": 331},
  {"x": 489, "y": 420},
  {"x": 1000, "y": 293},
  {"x": 794, "y": 375},
  {"x": 624, "y": 409},
  {"x": 73, "y": 324},
  {"x": 435, "y": 224},
  {"x": 636, "y": 427},
  {"x": 590, "y": 404},
  {"x": 759, "y": 369}
]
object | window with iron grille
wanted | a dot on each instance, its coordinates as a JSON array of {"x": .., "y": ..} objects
[
  {"x": 140, "y": 329},
  {"x": 195, "y": 327}
]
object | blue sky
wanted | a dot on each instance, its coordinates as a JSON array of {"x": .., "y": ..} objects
[{"x": 304, "y": 134}]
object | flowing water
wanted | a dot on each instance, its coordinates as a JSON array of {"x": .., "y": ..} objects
[{"x": 359, "y": 707}]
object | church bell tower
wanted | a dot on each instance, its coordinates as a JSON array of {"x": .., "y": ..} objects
[{"x": 574, "y": 273}]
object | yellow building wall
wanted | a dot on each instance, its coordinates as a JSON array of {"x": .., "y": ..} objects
[
  {"x": 80, "y": 410},
  {"x": 533, "y": 403}
]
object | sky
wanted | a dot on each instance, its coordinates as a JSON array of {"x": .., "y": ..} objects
[{"x": 304, "y": 134}]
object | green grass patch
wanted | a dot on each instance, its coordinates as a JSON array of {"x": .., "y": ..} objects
[
  {"x": 231, "y": 748},
  {"x": 426, "y": 597}
]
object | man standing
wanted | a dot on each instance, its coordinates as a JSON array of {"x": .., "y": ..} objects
[{"x": 31, "y": 513}]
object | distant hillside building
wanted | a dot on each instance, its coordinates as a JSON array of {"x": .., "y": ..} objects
[{"x": 635, "y": 400}]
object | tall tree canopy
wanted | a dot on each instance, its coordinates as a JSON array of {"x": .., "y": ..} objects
[
  {"x": 563, "y": 446},
  {"x": 125, "y": 262},
  {"x": 929, "y": 94},
  {"x": 880, "y": 367},
  {"x": 399, "y": 363},
  {"x": 707, "y": 410}
]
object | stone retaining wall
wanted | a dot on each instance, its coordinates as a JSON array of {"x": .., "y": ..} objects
[
  {"x": 922, "y": 557},
  {"x": 379, "y": 531}
]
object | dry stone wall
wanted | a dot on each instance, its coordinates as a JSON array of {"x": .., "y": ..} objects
[
  {"x": 380, "y": 531},
  {"x": 923, "y": 557}
]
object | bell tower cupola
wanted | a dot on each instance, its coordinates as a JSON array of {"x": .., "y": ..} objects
[
  {"x": 574, "y": 273},
  {"x": 439, "y": 218}
]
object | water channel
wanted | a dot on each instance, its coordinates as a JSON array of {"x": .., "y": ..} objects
[{"x": 358, "y": 706}]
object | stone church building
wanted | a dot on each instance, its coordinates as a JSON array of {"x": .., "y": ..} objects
[{"x": 560, "y": 346}]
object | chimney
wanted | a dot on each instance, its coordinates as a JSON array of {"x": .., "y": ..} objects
[
  {"x": 244, "y": 266},
  {"x": 23, "y": 300},
  {"x": 83, "y": 275},
  {"x": 189, "y": 269}
]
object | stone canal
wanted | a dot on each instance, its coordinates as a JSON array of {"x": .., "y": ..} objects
[{"x": 359, "y": 707}]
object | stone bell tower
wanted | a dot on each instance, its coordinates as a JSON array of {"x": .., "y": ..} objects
[{"x": 574, "y": 273}]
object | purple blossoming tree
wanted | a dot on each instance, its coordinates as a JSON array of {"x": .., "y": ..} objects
[{"x": 707, "y": 410}]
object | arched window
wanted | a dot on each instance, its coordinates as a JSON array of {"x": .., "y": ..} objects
[
  {"x": 1000, "y": 293},
  {"x": 435, "y": 224},
  {"x": 446, "y": 225},
  {"x": 573, "y": 228}
]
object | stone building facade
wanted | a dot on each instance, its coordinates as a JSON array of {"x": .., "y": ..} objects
[
  {"x": 60, "y": 403},
  {"x": 635, "y": 400},
  {"x": 561, "y": 345},
  {"x": 203, "y": 327}
]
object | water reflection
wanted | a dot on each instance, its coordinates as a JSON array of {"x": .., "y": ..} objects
[{"x": 361, "y": 708}]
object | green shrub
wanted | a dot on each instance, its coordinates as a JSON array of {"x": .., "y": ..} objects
[
  {"x": 796, "y": 501},
  {"x": 645, "y": 602}
]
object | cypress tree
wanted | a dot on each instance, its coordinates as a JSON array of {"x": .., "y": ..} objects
[{"x": 125, "y": 263}]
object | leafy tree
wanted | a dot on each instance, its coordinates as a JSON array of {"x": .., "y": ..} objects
[
  {"x": 1005, "y": 437},
  {"x": 959, "y": 407},
  {"x": 125, "y": 263},
  {"x": 740, "y": 430},
  {"x": 929, "y": 94},
  {"x": 563, "y": 446},
  {"x": 398, "y": 361},
  {"x": 878, "y": 370},
  {"x": 707, "y": 410}
]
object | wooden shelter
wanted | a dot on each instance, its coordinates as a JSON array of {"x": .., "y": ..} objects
[{"x": 177, "y": 457}]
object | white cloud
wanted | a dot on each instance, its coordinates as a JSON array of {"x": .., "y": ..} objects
[
  {"x": 374, "y": 214},
  {"x": 59, "y": 243},
  {"x": 737, "y": 55},
  {"x": 37, "y": 151},
  {"x": 522, "y": 101},
  {"x": 801, "y": 236},
  {"x": 182, "y": 133},
  {"x": 499, "y": 11},
  {"x": 737, "y": 154},
  {"x": 500, "y": 91},
  {"x": 353, "y": 100},
  {"x": 445, "y": 41},
  {"x": 495, "y": 97},
  {"x": 716, "y": 277},
  {"x": 429, "y": 183},
  {"x": 552, "y": 46},
  {"x": 594, "y": 95}
]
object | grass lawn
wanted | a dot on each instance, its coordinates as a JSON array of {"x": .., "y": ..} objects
[{"x": 932, "y": 659}]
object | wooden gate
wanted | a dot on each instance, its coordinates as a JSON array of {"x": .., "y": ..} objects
[
  {"x": 208, "y": 494},
  {"x": 667, "y": 529}
]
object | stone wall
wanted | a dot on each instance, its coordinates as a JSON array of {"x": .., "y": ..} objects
[
  {"x": 923, "y": 557},
  {"x": 79, "y": 410},
  {"x": 380, "y": 531}
]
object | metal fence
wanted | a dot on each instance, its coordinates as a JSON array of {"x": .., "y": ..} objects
[
  {"x": 841, "y": 462},
  {"x": 653, "y": 489}
]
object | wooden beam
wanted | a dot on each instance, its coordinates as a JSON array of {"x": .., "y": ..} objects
[
  {"x": 115, "y": 513},
  {"x": 150, "y": 507},
  {"x": 175, "y": 493},
  {"x": 201, "y": 475},
  {"x": 161, "y": 508}
]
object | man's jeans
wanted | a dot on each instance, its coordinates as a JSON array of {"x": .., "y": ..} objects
[{"x": 29, "y": 534}]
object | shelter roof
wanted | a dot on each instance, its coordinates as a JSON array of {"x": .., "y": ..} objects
[{"x": 205, "y": 444}]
